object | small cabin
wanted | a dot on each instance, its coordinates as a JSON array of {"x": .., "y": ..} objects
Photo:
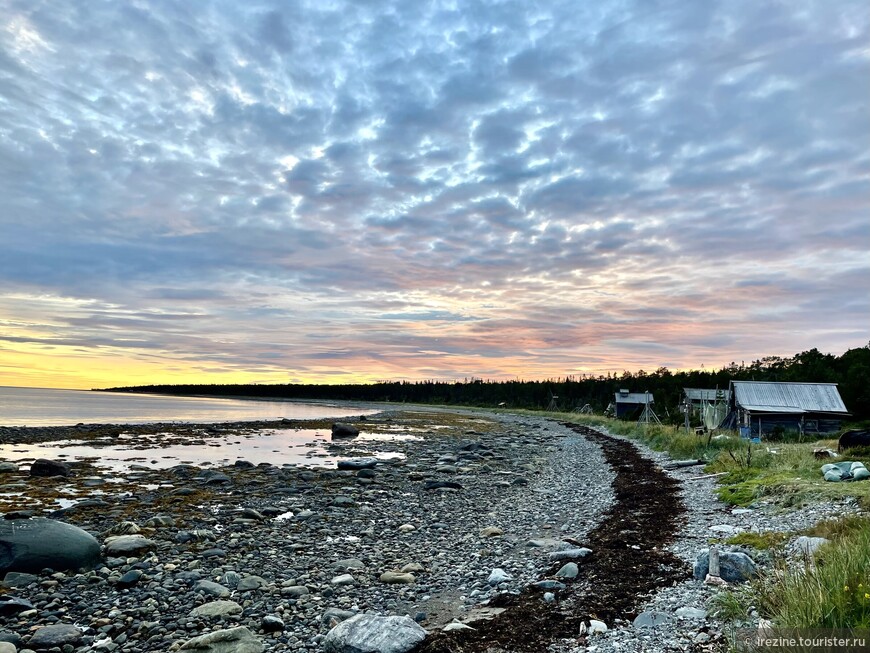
[
  {"x": 628, "y": 404},
  {"x": 764, "y": 407}
]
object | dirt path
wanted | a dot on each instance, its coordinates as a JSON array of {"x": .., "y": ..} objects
[{"x": 629, "y": 560}]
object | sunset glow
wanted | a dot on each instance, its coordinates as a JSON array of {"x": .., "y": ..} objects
[{"x": 304, "y": 192}]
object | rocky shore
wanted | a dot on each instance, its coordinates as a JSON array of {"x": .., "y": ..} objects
[{"x": 449, "y": 531}]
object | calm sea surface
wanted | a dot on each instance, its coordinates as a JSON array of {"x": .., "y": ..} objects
[{"x": 45, "y": 407}]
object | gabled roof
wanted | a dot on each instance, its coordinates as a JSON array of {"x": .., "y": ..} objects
[
  {"x": 634, "y": 397},
  {"x": 775, "y": 397},
  {"x": 699, "y": 394}
]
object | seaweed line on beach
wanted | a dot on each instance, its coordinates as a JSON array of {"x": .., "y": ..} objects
[{"x": 629, "y": 560}]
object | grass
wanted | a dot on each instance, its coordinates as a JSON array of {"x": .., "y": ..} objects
[
  {"x": 840, "y": 529},
  {"x": 832, "y": 593},
  {"x": 733, "y": 605},
  {"x": 785, "y": 473},
  {"x": 761, "y": 541}
]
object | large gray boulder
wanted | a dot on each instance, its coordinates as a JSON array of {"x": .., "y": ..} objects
[
  {"x": 231, "y": 640},
  {"x": 57, "y": 635},
  {"x": 216, "y": 609},
  {"x": 734, "y": 566},
  {"x": 342, "y": 430},
  {"x": 128, "y": 545},
  {"x": 31, "y": 545},
  {"x": 368, "y": 633},
  {"x": 45, "y": 467}
]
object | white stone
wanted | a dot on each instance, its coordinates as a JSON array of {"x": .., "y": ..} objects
[
  {"x": 368, "y": 632},
  {"x": 231, "y": 640},
  {"x": 691, "y": 613},
  {"x": 596, "y": 626},
  {"x": 457, "y": 625},
  {"x": 498, "y": 575},
  {"x": 216, "y": 609}
]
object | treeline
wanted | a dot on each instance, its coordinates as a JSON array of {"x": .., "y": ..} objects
[{"x": 851, "y": 371}]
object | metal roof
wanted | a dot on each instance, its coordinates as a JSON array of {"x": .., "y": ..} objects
[
  {"x": 775, "y": 397},
  {"x": 634, "y": 397},
  {"x": 699, "y": 394}
]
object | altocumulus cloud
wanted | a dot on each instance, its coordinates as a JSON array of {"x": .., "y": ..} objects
[{"x": 402, "y": 189}]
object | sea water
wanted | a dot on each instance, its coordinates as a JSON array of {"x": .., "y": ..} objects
[{"x": 50, "y": 407}]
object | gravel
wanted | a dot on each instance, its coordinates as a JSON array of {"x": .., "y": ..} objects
[{"x": 471, "y": 510}]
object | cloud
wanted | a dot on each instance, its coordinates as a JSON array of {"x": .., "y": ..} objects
[{"x": 403, "y": 189}]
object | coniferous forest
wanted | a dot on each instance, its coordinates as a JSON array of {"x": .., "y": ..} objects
[{"x": 851, "y": 372}]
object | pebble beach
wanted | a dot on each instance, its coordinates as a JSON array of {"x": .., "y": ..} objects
[{"x": 438, "y": 527}]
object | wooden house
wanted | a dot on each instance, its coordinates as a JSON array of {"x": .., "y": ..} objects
[{"x": 764, "y": 407}]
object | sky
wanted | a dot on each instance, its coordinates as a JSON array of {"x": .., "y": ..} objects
[{"x": 334, "y": 192}]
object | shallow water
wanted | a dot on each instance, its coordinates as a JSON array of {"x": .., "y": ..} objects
[
  {"x": 302, "y": 447},
  {"x": 50, "y": 407}
]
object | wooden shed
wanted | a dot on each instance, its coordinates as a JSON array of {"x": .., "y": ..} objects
[
  {"x": 764, "y": 407},
  {"x": 629, "y": 404}
]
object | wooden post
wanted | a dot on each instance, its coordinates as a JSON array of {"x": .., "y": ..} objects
[{"x": 714, "y": 561}]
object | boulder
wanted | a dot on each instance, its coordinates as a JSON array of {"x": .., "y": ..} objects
[
  {"x": 334, "y": 616},
  {"x": 650, "y": 619},
  {"x": 568, "y": 570},
  {"x": 691, "y": 613},
  {"x": 397, "y": 578},
  {"x": 252, "y": 582},
  {"x": 341, "y": 430},
  {"x": 17, "y": 579},
  {"x": 8, "y": 467},
  {"x": 348, "y": 563},
  {"x": 12, "y": 605},
  {"x": 498, "y": 575},
  {"x": 356, "y": 464},
  {"x": 56, "y": 635},
  {"x": 734, "y": 567},
  {"x": 129, "y": 579},
  {"x": 19, "y": 514},
  {"x": 272, "y": 623},
  {"x": 7, "y": 647},
  {"x": 442, "y": 485},
  {"x": 548, "y": 585},
  {"x": 807, "y": 546},
  {"x": 45, "y": 467},
  {"x": 231, "y": 640},
  {"x": 31, "y": 545},
  {"x": 216, "y": 609},
  {"x": 596, "y": 626},
  {"x": 570, "y": 554},
  {"x": 128, "y": 545},
  {"x": 854, "y": 438},
  {"x": 368, "y": 633},
  {"x": 213, "y": 589}
]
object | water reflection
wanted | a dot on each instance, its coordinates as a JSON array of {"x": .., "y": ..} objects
[{"x": 127, "y": 452}]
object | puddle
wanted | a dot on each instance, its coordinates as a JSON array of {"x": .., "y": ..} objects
[{"x": 145, "y": 453}]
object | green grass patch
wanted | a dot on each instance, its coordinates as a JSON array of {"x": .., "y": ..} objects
[
  {"x": 733, "y": 604},
  {"x": 785, "y": 473},
  {"x": 842, "y": 528},
  {"x": 832, "y": 593},
  {"x": 762, "y": 541}
]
